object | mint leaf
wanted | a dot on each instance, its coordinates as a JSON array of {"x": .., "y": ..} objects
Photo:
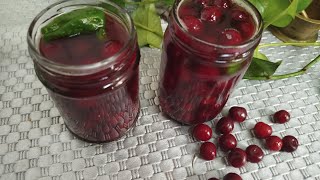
[
  {"x": 261, "y": 68},
  {"x": 80, "y": 21},
  {"x": 148, "y": 25},
  {"x": 168, "y": 2}
]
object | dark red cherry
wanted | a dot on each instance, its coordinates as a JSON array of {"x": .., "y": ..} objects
[
  {"x": 230, "y": 37},
  {"x": 290, "y": 143},
  {"x": 193, "y": 24},
  {"x": 188, "y": 9},
  {"x": 227, "y": 142},
  {"x": 246, "y": 29},
  {"x": 208, "y": 151},
  {"x": 238, "y": 15},
  {"x": 202, "y": 132},
  {"x": 262, "y": 130},
  {"x": 254, "y": 153},
  {"x": 212, "y": 14},
  {"x": 225, "y": 125},
  {"x": 281, "y": 116},
  {"x": 213, "y": 178},
  {"x": 237, "y": 157},
  {"x": 203, "y": 2},
  {"x": 223, "y": 3},
  {"x": 274, "y": 143},
  {"x": 232, "y": 176},
  {"x": 238, "y": 114}
]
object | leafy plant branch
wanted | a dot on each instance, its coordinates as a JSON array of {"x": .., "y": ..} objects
[{"x": 274, "y": 12}]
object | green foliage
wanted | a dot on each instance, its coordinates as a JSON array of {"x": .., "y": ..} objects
[
  {"x": 148, "y": 25},
  {"x": 279, "y": 12},
  {"x": 80, "y": 21}
]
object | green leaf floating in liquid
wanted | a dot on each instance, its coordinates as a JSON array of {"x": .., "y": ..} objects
[
  {"x": 261, "y": 68},
  {"x": 148, "y": 25},
  {"x": 80, "y": 21}
]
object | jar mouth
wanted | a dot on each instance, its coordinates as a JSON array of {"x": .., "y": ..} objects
[
  {"x": 255, "y": 13},
  {"x": 76, "y": 69}
]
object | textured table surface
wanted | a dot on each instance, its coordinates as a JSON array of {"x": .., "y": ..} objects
[{"x": 34, "y": 142}]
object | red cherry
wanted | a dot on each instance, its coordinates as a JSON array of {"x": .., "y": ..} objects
[
  {"x": 281, "y": 116},
  {"x": 262, "y": 130},
  {"x": 193, "y": 24},
  {"x": 205, "y": 71},
  {"x": 254, "y": 153},
  {"x": 290, "y": 143},
  {"x": 111, "y": 48},
  {"x": 237, "y": 157},
  {"x": 223, "y": 3},
  {"x": 227, "y": 142},
  {"x": 230, "y": 37},
  {"x": 188, "y": 9},
  {"x": 225, "y": 125},
  {"x": 232, "y": 176},
  {"x": 208, "y": 151},
  {"x": 202, "y": 132},
  {"x": 239, "y": 15},
  {"x": 213, "y": 178},
  {"x": 246, "y": 29},
  {"x": 274, "y": 143},
  {"x": 238, "y": 114},
  {"x": 211, "y": 14},
  {"x": 203, "y": 2}
]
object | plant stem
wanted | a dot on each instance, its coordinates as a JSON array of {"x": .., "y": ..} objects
[
  {"x": 283, "y": 76},
  {"x": 289, "y": 44}
]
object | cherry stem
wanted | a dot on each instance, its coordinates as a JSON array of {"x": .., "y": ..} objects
[{"x": 283, "y": 76}]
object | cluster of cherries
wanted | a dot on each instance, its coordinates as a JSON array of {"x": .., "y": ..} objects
[
  {"x": 217, "y": 21},
  {"x": 227, "y": 142}
]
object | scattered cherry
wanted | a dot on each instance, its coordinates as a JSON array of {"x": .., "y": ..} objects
[
  {"x": 281, "y": 116},
  {"x": 213, "y": 178},
  {"x": 238, "y": 114},
  {"x": 212, "y": 14},
  {"x": 225, "y": 125},
  {"x": 262, "y": 130},
  {"x": 227, "y": 142},
  {"x": 202, "y": 132},
  {"x": 237, "y": 157},
  {"x": 274, "y": 143},
  {"x": 232, "y": 176},
  {"x": 254, "y": 153},
  {"x": 230, "y": 37},
  {"x": 239, "y": 15},
  {"x": 208, "y": 151},
  {"x": 290, "y": 143},
  {"x": 223, "y": 3},
  {"x": 193, "y": 24}
]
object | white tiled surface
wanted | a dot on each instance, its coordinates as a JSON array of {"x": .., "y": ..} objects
[{"x": 34, "y": 143}]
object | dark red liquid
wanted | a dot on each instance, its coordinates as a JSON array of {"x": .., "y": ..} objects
[
  {"x": 103, "y": 105},
  {"x": 197, "y": 78}
]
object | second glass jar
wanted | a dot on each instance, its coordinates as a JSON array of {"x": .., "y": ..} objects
[{"x": 196, "y": 75}]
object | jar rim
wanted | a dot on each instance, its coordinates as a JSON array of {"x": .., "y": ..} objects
[
  {"x": 78, "y": 69},
  {"x": 250, "y": 41}
]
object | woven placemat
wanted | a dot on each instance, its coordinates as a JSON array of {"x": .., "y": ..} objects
[{"x": 35, "y": 144}]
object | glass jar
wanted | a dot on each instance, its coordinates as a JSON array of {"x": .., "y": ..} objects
[
  {"x": 98, "y": 99},
  {"x": 196, "y": 76}
]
